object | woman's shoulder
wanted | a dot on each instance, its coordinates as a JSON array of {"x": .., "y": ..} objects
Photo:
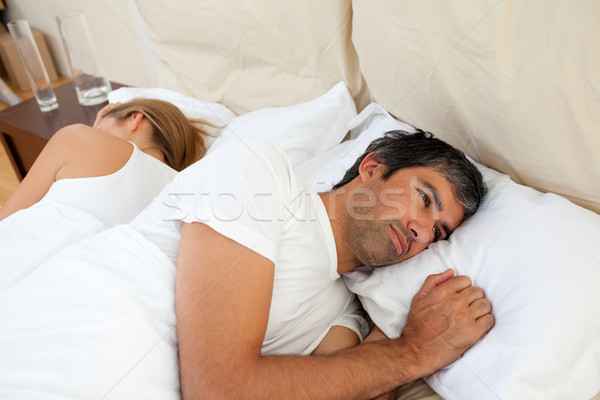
[
  {"x": 78, "y": 135},
  {"x": 86, "y": 151}
]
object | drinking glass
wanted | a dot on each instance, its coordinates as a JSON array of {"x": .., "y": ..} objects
[
  {"x": 91, "y": 84},
  {"x": 33, "y": 64}
]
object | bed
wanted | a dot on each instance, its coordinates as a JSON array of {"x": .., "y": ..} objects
[{"x": 515, "y": 85}]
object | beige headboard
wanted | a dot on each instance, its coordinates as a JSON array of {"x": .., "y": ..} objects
[
  {"x": 514, "y": 84},
  {"x": 250, "y": 54}
]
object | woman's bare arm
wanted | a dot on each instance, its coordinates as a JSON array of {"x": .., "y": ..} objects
[
  {"x": 41, "y": 175},
  {"x": 75, "y": 151},
  {"x": 44, "y": 170}
]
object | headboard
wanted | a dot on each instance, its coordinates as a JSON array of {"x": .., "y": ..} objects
[{"x": 516, "y": 85}]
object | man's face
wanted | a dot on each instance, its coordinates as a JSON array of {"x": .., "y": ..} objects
[{"x": 393, "y": 220}]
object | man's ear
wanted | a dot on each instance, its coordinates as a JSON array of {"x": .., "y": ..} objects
[{"x": 370, "y": 166}]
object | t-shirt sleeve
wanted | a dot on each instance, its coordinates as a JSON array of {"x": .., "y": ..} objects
[
  {"x": 353, "y": 317},
  {"x": 238, "y": 190}
]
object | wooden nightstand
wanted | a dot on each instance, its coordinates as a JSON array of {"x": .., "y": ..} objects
[{"x": 25, "y": 130}]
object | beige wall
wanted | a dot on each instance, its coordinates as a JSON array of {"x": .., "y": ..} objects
[{"x": 116, "y": 29}]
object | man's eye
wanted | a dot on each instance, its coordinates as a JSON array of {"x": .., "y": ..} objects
[
  {"x": 436, "y": 233},
  {"x": 425, "y": 198}
]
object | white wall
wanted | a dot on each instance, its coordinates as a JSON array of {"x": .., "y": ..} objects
[{"x": 116, "y": 29}]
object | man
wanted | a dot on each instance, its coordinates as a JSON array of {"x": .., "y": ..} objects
[{"x": 251, "y": 275}]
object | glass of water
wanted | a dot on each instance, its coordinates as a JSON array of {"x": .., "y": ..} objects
[
  {"x": 33, "y": 64},
  {"x": 91, "y": 84}
]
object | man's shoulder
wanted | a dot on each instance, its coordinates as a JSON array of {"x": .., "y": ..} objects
[
  {"x": 249, "y": 152},
  {"x": 243, "y": 159}
]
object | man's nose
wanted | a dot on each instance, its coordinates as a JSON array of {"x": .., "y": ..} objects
[{"x": 421, "y": 230}]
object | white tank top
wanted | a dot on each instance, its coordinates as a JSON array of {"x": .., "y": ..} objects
[{"x": 116, "y": 198}]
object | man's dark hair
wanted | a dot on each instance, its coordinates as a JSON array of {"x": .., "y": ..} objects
[{"x": 401, "y": 149}]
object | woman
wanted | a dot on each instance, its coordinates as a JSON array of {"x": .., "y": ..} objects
[
  {"x": 90, "y": 178},
  {"x": 147, "y": 129}
]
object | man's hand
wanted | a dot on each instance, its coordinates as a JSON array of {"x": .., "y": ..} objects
[{"x": 447, "y": 316}]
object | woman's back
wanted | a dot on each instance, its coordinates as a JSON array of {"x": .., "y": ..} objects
[
  {"x": 87, "y": 179},
  {"x": 82, "y": 202},
  {"x": 118, "y": 197}
]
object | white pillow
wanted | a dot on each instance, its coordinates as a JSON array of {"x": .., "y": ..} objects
[
  {"x": 303, "y": 130},
  {"x": 536, "y": 256},
  {"x": 328, "y": 168},
  {"x": 191, "y": 107}
]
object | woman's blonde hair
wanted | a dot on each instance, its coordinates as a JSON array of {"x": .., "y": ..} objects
[{"x": 181, "y": 140}]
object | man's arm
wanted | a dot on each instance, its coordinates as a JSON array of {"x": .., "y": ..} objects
[
  {"x": 376, "y": 335},
  {"x": 338, "y": 338},
  {"x": 341, "y": 338},
  {"x": 223, "y": 297}
]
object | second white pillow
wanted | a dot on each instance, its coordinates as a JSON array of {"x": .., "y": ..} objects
[{"x": 303, "y": 130}]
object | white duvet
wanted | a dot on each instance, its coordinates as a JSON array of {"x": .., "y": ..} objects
[
  {"x": 95, "y": 321},
  {"x": 30, "y": 236}
]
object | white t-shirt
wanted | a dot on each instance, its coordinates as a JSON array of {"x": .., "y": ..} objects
[{"x": 246, "y": 190}]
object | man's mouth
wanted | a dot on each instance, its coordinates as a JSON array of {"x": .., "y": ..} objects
[{"x": 399, "y": 241}]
